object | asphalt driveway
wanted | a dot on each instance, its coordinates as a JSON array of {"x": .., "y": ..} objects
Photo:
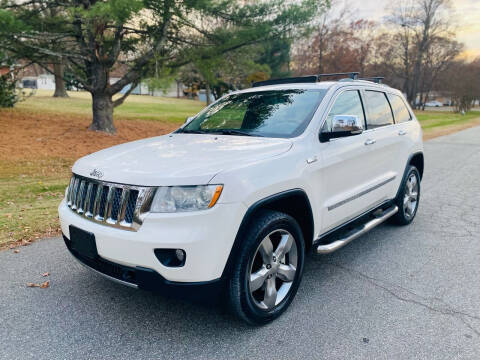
[{"x": 396, "y": 293}]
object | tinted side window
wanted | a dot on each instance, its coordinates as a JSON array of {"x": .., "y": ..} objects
[
  {"x": 379, "y": 111},
  {"x": 400, "y": 110},
  {"x": 347, "y": 103}
]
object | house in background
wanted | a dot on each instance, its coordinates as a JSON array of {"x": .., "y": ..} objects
[{"x": 36, "y": 77}]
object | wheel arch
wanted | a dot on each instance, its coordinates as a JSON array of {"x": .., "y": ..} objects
[
  {"x": 417, "y": 160},
  {"x": 293, "y": 202}
]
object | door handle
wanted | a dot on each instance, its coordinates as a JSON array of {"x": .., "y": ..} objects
[
  {"x": 402, "y": 132},
  {"x": 312, "y": 160},
  {"x": 370, "y": 142}
]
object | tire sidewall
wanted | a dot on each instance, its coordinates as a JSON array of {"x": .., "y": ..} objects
[
  {"x": 404, "y": 218},
  {"x": 249, "y": 307}
]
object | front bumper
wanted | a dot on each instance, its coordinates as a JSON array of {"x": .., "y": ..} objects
[
  {"x": 148, "y": 279},
  {"x": 206, "y": 236}
]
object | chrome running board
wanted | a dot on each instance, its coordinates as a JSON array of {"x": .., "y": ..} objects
[{"x": 355, "y": 233}]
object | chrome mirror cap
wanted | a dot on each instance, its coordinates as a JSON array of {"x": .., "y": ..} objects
[
  {"x": 350, "y": 123},
  {"x": 342, "y": 126}
]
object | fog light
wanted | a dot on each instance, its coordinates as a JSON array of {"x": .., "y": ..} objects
[
  {"x": 171, "y": 257},
  {"x": 180, "y": 254}
]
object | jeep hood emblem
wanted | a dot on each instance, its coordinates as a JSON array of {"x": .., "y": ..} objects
[{"x": 96, "y": 173}]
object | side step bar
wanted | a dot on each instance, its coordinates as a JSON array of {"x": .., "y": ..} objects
[{"x": 355, "y": 233}]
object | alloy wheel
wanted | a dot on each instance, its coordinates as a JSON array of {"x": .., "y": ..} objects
[
  {"x": 410, "y": 199},
  {"x": 273, "y": 269}
]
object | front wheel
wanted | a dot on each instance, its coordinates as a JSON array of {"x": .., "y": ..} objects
[
  {"x": 408, "y": 197},
  {"x": 269, "y": 268}
]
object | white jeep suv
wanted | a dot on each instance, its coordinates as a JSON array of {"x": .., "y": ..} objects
[{"x": 230, "y": 203}]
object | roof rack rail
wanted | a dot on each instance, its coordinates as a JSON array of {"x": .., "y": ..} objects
[
  {"x": 375, "y": 79},
  {"x": 352, "y": 75},
  {"x": 291, "y": 80},
  {"x": 314, "y": 78}
]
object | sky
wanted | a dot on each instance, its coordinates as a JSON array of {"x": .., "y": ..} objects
[{"x": 466, "y": 18}]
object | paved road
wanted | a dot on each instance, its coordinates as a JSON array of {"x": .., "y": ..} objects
[{"x": 396, "y": 293}]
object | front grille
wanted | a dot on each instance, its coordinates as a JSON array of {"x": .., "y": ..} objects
[{"x": 118, "y": 205}]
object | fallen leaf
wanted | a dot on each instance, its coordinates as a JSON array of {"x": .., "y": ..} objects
[
  {"x": 43, "y": 285},
  {"x": 16, "y": 251},
  {"x": 45, "y": 274}
]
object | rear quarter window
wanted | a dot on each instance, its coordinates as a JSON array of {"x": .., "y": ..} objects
[
  {"x": 400, "y": 110},
  {"x": 379, "y": 111}
]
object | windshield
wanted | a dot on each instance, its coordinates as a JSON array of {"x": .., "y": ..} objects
[{"x": 276, "y": 113}]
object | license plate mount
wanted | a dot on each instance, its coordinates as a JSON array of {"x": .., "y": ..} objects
[{"x": 83, "y": 242}]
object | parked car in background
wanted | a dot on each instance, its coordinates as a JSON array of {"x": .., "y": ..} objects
[
  {"x": 433, "y": 103},
  {"x": 232, "y": 201}
]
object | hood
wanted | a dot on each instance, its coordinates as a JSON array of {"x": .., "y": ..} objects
[{"x": 177, "y": 159}]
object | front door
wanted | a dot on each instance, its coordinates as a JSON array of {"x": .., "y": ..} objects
[{"x": 346, "y": 167}]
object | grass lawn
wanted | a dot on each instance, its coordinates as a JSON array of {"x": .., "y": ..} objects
[
  {"x": 42, "y": 137},
  {"x": 136, "y": 107},
  {"x": 438, "y": 123}
]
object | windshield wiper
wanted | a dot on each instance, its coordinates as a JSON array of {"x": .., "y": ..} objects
[
  {"x": 234, "y": 132},
  {"x": 187, "y": 131}
]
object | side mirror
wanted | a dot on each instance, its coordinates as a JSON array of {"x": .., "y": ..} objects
[
  {"x": 190, "y": 118},
  {"x": 342, "y": 126}
]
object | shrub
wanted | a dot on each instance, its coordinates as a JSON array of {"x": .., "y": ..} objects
[{"x": 9, "y": 95}]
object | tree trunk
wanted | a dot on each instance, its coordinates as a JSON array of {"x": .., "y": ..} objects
[
  {"x": 102, "y": 106},
  {"x": 58, "y": 71},
  {"x": 207, "y": 92}
]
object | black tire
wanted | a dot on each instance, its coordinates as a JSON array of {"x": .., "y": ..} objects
[
  {"x": 404, "y": 216},
  {"x": 242, "y": 302}
]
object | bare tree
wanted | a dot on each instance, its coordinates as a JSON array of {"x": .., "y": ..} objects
[
  {"x": 315, "y": 54},
  {"x": 419, "y": 24},
  {"x": 462, "y": 83},
  {"x": 439, "y": 57}
]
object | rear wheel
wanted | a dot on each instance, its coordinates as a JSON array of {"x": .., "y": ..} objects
[
  {"x": 408, "y": 197},
  {"x": 269, "y": 268}
]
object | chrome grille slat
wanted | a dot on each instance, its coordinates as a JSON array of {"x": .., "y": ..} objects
[
  {"x": 74, "y": 195},
  {"x": 108, "y": 205},
  {"x": 97, "y": 200},
  {"x": 123, "y": 206},
  {"x": 117, "y": 205},
  {"x": 80, "y": 195},
  {"x": 87, "y": 199},
  {"x": 69, "y": 193}
]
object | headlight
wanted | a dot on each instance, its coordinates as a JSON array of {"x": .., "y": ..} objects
[{"x": 169, "y": 199}]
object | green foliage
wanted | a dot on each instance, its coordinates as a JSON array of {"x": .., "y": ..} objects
[
  {"x": 276, "y": 54},
  {"x": 117, "y": 11},
  {"x": 9, "y": 96},
  {"x": 9, "y": 22},
  {"x": 92, "y": 37}
]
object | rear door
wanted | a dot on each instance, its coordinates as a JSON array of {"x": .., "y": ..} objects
[
  {"x": 385, "y": 143},
  {"x": 405, "y": 129}
]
